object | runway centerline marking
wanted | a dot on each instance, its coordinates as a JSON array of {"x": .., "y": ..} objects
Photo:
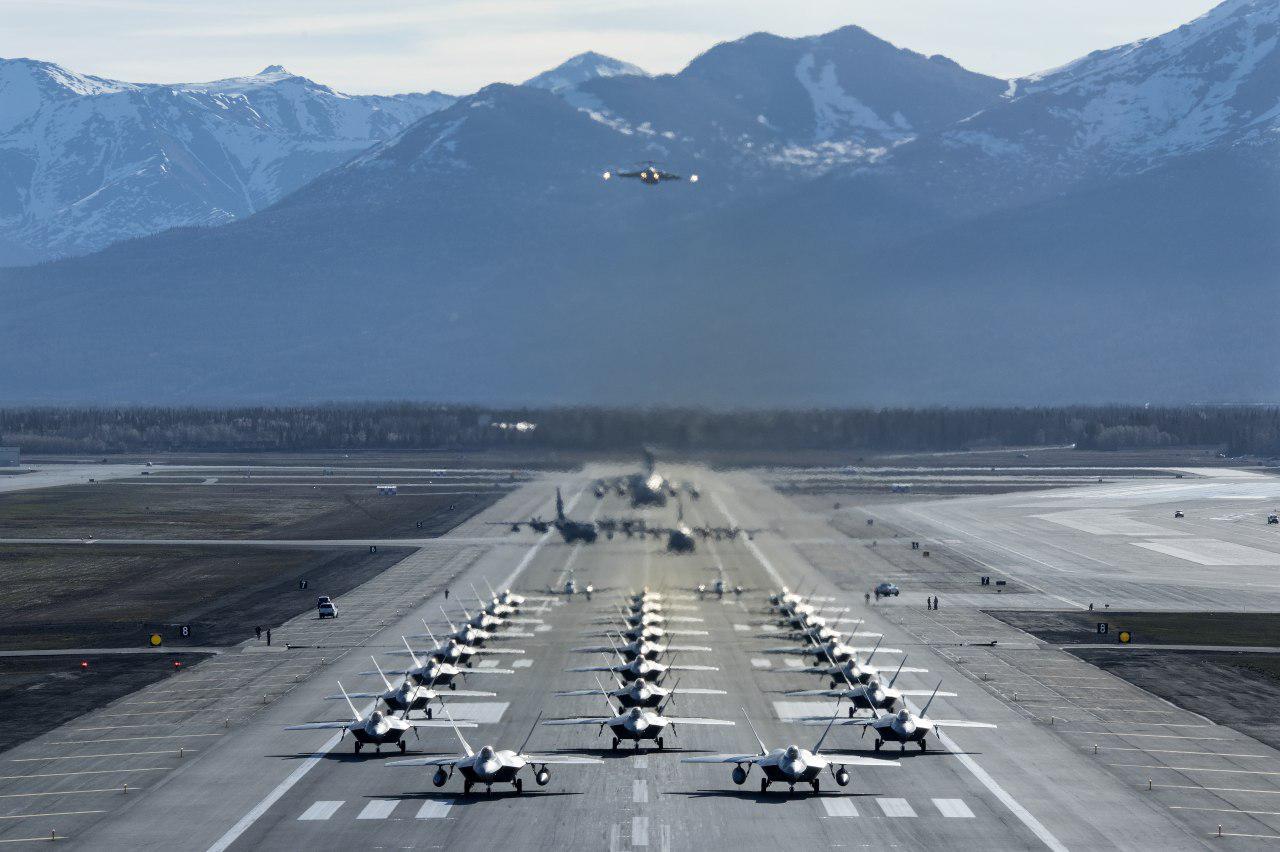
[
  {"x": 255, "y": 813},
  {"x": 321, "y": 811},
  {"x": 896, "y": 807},
  {"x": 640, "y": 791},
  {"x": 839, "y": 807},
  {"x": 1023, "y": 815},
  {"x": 378, "y": 809},
  {"x": 953, "y": 808}
]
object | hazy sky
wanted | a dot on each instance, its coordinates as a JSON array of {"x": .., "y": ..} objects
[{"x": 460, "y": 45}]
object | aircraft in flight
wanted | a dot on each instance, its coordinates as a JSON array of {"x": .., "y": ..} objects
[
  {"x": 490, "y": 765},
  {"x": 377, "y": 729},
  {"x": 638, "y": 723},
  {"x": 904, "y": 726},
  {"x": 792, "y": 765},
  {"x": 648, "y": 174}
]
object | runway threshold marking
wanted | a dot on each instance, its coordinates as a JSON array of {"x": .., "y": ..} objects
[
  {"x": 1024, "y": 816},
  {"x": 839, "y": 807},
  {"x": 640, "y": 791},
  {"x": 953, "y": 808},
  {"x": 320, "y": 811},
  {"x": 639, "y": 831},
  {"x": 896, "y": 807},
  {"x": 255, "y": 813},
  {"x": 378, "y": 809},
  {"x": 434, "y": 809}
]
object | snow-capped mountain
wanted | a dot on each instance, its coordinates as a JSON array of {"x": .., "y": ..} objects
[
  {"x": 1213, "y": 83},
  {"x": 85, "y": 161},
  {"x": 1107, "y": 230},
  {"x": 579, "y": 69},
  {"x": 766, "y": 103}
]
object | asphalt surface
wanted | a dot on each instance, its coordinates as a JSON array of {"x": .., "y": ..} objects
[{"x": 1081, "y": 759}]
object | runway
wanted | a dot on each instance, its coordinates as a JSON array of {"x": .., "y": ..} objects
[{"x": 209, "y": 765}]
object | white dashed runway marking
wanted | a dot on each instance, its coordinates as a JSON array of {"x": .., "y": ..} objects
[
  {"x": 954, "y": 808},
  {"x": 840, "y": 807},
  {"x": 896, "y": 807},
  {"x": 434, "y": 809},
  {"x": 761, "y": 663},
  {"x": 522, "y": 664},
  {"x": 378, "y": 809},
  {"x": 320, "y": 810}
]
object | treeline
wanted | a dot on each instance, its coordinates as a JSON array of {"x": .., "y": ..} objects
[{"x": 405, "y": 426}]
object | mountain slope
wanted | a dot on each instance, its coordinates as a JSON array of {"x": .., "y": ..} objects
[
  {"x": 478, "y": 256},
  {"x": 85, "y": 162}
]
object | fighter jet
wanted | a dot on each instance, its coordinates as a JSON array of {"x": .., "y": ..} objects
[
  {"x": 640, "y": 693},
  {"x": 490, "y": 766},
  {"x": 870, "y": 695},
  {"x": 642, "y": 668},
  {"x": 906, "y": 727},
  {"x": 792, "y": 765},
  {"x": 436, "y": 671},
  {"x": 455, "y": 652},
  {"x": 853, "y": 670},
  {"x": 409, "y": 695},
  {"x": 835, "y": 651},
  {"x": 649, "y": 174},
  {"x": 504, "y": 613},
  {"x": 637, "y": 723},
  {"x": 642, "y": 648},
  {"x": 468, "y": 634},
  {"x": 377, "y": 729}
]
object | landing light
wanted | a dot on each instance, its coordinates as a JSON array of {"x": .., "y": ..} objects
[
  {"x": 607, "y": 175},
  {"x": 693, "y": 178}
]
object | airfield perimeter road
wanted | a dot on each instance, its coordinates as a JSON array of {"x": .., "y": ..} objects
[{"x": 241, "y": 782}]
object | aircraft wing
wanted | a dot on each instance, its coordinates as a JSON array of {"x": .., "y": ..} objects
[
  {"x": 724, "y": 758},
  {"x": 808, "y": 651},
  {"x": 826, "y": 720},
  {"x": 923, "y": 693},
  {"x": 913, "y": 670},
  {"x": 497, "y": 651},
  {"x": 591, "y": 669},
  {"x": 684, "y": 648},
  {"x": 511, "y": 634},
  {"x": 471, "y": 693},
  {"x": 588, "y": 692},
  {"x": 584, "y": 721},
  {"x": 594, "y": 649},
  {"x": 469, "y": 672},
  {"x": 319, "y": 726},
  {"x": 824, "y": 670},
  {"x": 859, "y": 649},
  {"x": 684, "y": 691},
  {"x": 561, "y": 759},
  {"x": 694, "y": 720},
  {"x": 813, "y": 693},
  {"x": 401, "y": 672},
  {"x": 354, "y": 695},
  {"x": 683, "y": 668},
  {"x": 960, "y": 723},
  {"x": 428, "y": 761},
  {"x": 438, "y": 723},
  {"x": 528, "y": 620},
  {"x": 858, "y": 760}
]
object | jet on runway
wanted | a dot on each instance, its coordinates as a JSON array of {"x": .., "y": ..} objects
[
  {"x": 792, "y": 765},
  {"x": 377, "y": 729},
  {"x": 636, "y": 724},
  {"x": 904, "y": 726},
  {"x": 490, "y": 766}
]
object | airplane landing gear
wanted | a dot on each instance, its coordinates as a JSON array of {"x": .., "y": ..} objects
[
  {"x": 359, "y": 745},
  {"x": 659, "y": 743},
  {"x": 924, "y": 746},
  {"x": 403, "y": 746},
  {"x": 519, "y": 785},
  {"x": 453, "y": 686},
  {"x": 851, "y": 709},
  {"x": 466, "y": 788},
  {"x": 429, "y": 712},
  {"x": 764, "y": 785},
  {"x": 815, "y": 784},
  {"x": 878, "y": 744},
  {"x": 614, "y": 747}
]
